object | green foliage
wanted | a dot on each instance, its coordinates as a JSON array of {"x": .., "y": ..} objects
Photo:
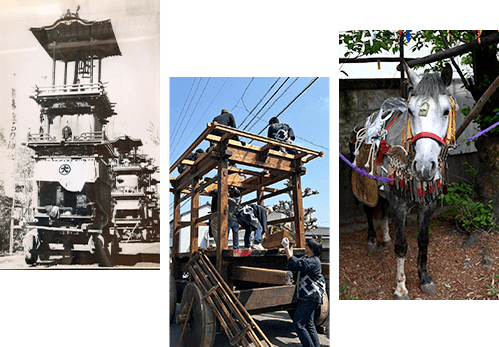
[
  {"x": 387, "y": 41},
  {"x": 344, "y": 293},
  {"x": 471, "y": 214}
]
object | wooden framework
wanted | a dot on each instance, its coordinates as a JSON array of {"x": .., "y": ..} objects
[{"x": 267, "y": 167}]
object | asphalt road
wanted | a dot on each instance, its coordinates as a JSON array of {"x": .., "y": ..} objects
[
  {"x": 132, "y": 255},
  {"x": 277, "y": 326}
]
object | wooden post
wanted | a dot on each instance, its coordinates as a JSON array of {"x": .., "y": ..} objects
[
  {"x": 75, "y": 77},
  {"x": 53, "y": 65},
  {"x": 298, "y": 210},
  {"x": 65, "y": 72},
  {"x": 223, "y": 215},
  {"x": 194, "y": 216},
  {"x": 402, "y": 73},
  {"x": 91, "y": 68},
  {"x": 176, "y": 233},
  {"x": 100, "y": 64}
]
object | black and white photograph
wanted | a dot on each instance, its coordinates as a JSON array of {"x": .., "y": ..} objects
[{"x": 80, "y": 136}]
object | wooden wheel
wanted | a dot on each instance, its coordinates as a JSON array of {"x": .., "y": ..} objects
[
  {"x": 322, "y": 312},
  {"x": 201, "y": 326},
  {"x": 173, "y": 298},
  {"x": 320, "y": 315}
]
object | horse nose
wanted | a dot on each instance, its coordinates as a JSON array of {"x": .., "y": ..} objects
[{"x": 424, "y": 170}]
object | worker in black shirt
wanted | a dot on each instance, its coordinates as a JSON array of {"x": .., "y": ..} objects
[
  {"x": 226, "y": 118},
  {"x": 281, "y": 132}
]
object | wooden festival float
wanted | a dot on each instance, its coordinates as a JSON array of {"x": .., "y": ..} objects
[
  {"x": 72, "y": 181},
  {"x": 136, "y": 207},
  {"x": 224, "y": 283}
]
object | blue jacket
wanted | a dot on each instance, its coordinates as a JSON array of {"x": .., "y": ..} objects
[{"x": 311, "y": 283}]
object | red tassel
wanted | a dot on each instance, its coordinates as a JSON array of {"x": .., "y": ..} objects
[
  {"x": 392, "y": 176},
  {"x": 430, "y": 188}
]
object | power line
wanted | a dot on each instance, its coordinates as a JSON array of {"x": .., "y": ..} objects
[
  {"x": 190, "y": 117},
  {"x": 185, "y": 102},
  {"x": 242, "y": 96},
  {"x": 263, "y": 97},
  {"x": 285, "y": 108},
  {"x": 192, "y": 98},
  {"x": 284, "y": 92}
]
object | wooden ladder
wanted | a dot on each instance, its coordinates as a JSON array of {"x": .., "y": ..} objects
[{"x": 240, "y": 328}]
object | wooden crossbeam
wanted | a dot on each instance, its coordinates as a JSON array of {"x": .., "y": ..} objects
[{"x": 259, "y": 275}]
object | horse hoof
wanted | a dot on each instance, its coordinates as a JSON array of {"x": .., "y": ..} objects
[
  {"x": 372, "y": 248},
  {"x": 429, "y": 288},
  {"x": 388, "y": 244},
  {"x": 404, "y": 296}
]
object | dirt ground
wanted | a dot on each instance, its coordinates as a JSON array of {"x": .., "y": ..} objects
[
  {"x": 132, "y": 255},
  {"x": 462, "y": 266}
]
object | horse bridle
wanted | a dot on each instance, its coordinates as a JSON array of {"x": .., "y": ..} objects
[{"x": 449, "y": 138}]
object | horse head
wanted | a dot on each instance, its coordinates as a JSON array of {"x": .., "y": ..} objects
[{"x": 429, "y": 106}]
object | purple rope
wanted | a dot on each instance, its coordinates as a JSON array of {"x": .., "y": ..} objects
[
  {"x": 363, "y": 172},
  {"x": 484, "y": 131}
]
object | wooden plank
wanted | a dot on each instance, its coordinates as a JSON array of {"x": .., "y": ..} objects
[
  {"x": 259, "y": 298},
  {"x": 273, "y": 241},
  {"x": 253, "y": 159},
  {"x": 263, "y": 139},
  {"x": 281, "y": 221},
  {"x": 260, "y": 275},
  {"x": 271, "y": 195},
  {"x": 192, "y": 147}
]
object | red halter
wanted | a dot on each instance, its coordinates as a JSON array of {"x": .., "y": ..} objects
[{"x": 433, "y": 136}]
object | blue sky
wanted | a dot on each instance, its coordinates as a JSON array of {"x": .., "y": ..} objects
[{"x": 308, "y": 116}]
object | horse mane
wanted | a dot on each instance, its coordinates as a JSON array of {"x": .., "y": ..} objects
[{"x": 431, "y": 85}]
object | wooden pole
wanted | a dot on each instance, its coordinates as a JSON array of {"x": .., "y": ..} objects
[
  {"x": 53, "y": 66},
  {"x": 402, "y": 73},
  {"x": 176, "y": 233},
  {"x": 223, "y": 215},
  {"x": 478, "y": 106},
  {"x": 194, "y": 217},
  {"x": 458, "y": 50},
  {"x": 298, "y": 211},
  {"x": 186, "y": 320},
  {"x": 65, "y": 72}
]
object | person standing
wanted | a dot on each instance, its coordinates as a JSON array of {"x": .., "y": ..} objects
[
  {"x": 234, "y": 201},
  {"x": 281, "y": 132},
  {"x": 311, "y": 288}
]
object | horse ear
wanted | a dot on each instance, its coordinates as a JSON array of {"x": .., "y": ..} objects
[
  {"x": 412, "y": 76},
  {"x": 447, "y": 74}
]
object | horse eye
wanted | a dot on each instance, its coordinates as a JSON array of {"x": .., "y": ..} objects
[{"x": 446, "y": 112}]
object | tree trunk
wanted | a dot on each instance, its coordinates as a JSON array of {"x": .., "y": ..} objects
[{"x": 486, "y": 70}]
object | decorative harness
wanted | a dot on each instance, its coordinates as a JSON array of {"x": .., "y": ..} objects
[{"x": 400, "y": 161}]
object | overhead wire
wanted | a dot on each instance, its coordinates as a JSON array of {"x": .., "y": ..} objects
[
  {"x": 190, "y": 117},
  {"x": 185, "y": 102},
  {"x": 270, "y": 107},
  {"x": 172, "y": 139},
  {"x": 263, "y": 97},
  {"x": 292, "y": 101},
  {"x": 271, "y": 97}
]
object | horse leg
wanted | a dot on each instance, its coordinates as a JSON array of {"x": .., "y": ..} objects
[
  {"x": 399, "y": 214},
  {"x": 425, "y": 281},
  {"x": 372, "y": 247},
  {"x": 387, "y": 241}
]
